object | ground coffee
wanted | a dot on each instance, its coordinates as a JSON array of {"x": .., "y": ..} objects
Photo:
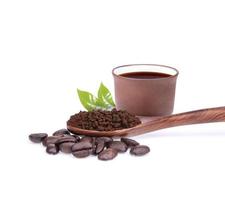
[{"x": 102, "y": 120}]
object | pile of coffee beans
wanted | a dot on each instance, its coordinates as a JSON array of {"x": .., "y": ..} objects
[
  {"x": 102, "y": 120},
  {"x": 83, "y": 146}
]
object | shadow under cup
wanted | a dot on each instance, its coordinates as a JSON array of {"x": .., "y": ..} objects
[{"x": 146, "y": 89}]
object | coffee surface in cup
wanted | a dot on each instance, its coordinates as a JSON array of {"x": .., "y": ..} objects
[{"x": 145, "y": 75}]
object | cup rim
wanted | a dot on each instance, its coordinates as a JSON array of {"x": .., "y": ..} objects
[{"x": 138, "y": 79}]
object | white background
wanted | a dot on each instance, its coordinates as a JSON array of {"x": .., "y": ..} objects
[{"x": 50, "y": 48}]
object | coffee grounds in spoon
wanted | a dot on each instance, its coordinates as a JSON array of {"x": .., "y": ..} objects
[{"x": 102, "y": 120}]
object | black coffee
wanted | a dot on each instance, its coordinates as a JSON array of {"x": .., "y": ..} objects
[{"x": 145, "y": 75}]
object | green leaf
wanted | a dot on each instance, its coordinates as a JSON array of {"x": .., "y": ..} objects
[
  {"x": 88, "y": 100},
  {"x": 105, "y": 97}
]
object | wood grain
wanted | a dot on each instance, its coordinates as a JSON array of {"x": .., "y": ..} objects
[{"x": 193, "y": 117}]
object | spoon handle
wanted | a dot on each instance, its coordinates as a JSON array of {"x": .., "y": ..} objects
[{"x": 187, "y": 118}]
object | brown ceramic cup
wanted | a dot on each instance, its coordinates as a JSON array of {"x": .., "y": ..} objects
[{"x": 145, "y": 97}]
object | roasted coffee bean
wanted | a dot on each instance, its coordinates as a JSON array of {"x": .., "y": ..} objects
[
  {"x": 81, "y": 146},
  {"x": 129, "y": 142},
  {"x": 82, "y": 153},
  {"x": 37, "y": 137},
  {"x": 94, "y": 146},
  {"x": 66, "y": 139},
  {"x": 104, "y": 139},
  {"x": 50, "y": 140},
  {"x": 107, "y": 154},
  {"x": 61, "y": 132},
  {"x": 86, "y": 139},
  {"x": 93, "y": 140},
  {"x": 52, "y": 149},
  {"x": 76, "y": 137},
  {"x": 99, "y": 147},
  {"x": 66, "y": 147},
  {"x": 118, "y": 145},
  {"x": 140, "y": 150},
  {"x": 82, "y": 149}
]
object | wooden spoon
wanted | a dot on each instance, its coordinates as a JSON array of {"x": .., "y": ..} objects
[{"x": 150, "y": 124}]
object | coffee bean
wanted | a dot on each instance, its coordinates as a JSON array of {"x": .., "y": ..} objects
[
  {"x": 37, "y": 137},
  {"x": 129, "y": 142},
  {"x": 52, "y": 149},
  {"x": 99, "y": 147},
  {"x": 140, "y": 150},
  {"x": 76, "y": 137},
  {"x": 107, "y": 154},
  {"x": 66, "y": 139},
  {"x": 50, "y": 140},
  {"x": 104, "y": 139},
  {"x": 94, "y": 146},
  {"x": 118, "y": 145},
  {"x": 82, "y": 149},
  {"x": 86, "y": 139},
  {"x": 61, "y": 132},
  {"x": 81, "y": 146},
  {"x": 82, "y": 153},
  {"x": 66, "y": 147},
  {"x": 93, "y": 140}
]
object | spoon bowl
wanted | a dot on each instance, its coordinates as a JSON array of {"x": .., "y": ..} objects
[
  {"x": 150, "y": 124},
  {"x": 122, "y": 132}
]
